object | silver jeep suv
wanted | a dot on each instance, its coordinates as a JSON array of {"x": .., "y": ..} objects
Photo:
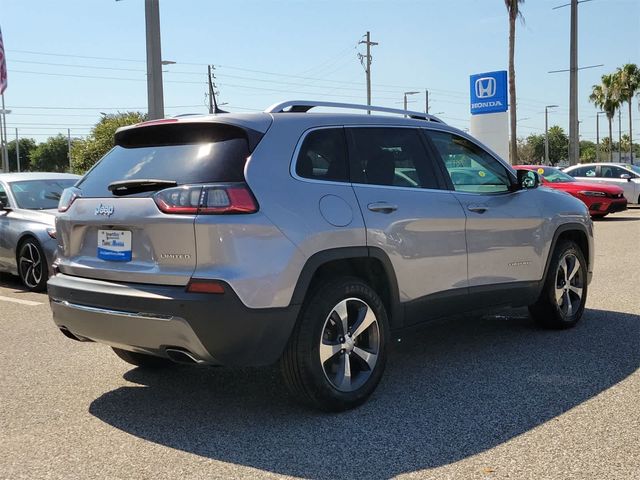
[{"x": 308, "y": 239}]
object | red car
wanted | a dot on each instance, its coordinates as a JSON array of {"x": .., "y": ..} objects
[{"x": 599, "y": 198}]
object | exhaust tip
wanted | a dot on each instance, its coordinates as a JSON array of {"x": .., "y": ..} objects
[
  {"x": 180, "y": 355},
  {"x": 67, "y": 333}
]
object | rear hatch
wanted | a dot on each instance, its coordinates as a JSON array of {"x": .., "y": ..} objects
[{"x": 131, "y": 218}]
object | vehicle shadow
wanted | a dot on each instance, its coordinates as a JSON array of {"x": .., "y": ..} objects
[
  {"x": 453, "y": 390},
  {"x": 11, "y": 281}
]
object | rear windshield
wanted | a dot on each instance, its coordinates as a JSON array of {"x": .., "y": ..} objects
[
  {"x": 216, "y": 158},
  {"x": 39, "y": 194}
]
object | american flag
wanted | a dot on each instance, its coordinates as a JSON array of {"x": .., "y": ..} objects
[{"x": 3, "y": 67}]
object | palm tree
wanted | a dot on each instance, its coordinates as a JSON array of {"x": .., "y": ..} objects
[
  {"x": 606, "y": 98},
  {"x": 627, "y": 80},
  {"x": 513, "y": 7}
]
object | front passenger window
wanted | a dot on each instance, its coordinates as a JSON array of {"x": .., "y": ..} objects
[{"x": 471, "y": 169}]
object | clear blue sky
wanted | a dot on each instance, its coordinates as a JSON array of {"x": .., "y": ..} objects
[{"x": 268, "y": 51}]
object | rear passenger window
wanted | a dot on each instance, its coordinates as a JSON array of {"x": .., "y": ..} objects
[
  {"x": 583, "y": 172},
  {"x": 323, "y": 156},
  {"x": 390, "y": 156}
]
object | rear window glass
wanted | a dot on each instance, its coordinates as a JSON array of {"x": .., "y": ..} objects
[
  {"x": 39, "y": 194},
  {"x": 216, "y": 158}
]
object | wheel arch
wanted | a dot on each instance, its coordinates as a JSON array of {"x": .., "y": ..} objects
[
  {"x": 368, "y": 263},
  {"x": 575, "y": 232}
]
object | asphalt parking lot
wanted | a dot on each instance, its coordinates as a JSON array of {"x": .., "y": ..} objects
[{"x": 470, "y": 397}]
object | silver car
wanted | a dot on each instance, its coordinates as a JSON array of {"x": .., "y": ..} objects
[
  {"x": 623, "y": 175},
  {"x": 308, "y": 239},
  {"x": 28, "y": 207}
]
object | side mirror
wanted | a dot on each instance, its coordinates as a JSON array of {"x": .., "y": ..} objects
[
  {"x": 626, "y": 176},
  {"x": 528, "y": 179},
  {"x": 4, "y": 207}
]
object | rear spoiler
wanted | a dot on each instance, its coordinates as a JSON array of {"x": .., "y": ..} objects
[{"x": 172, "y": 131}]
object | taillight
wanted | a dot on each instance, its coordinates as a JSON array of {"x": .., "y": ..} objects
[
  {"x": 67, "y": 198},
  {"x": 207, "y": 199}
]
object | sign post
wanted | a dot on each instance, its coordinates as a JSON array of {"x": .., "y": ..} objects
[{"x": 488, "y": 106}]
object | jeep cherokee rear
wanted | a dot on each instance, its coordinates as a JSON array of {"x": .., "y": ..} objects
[{"x": 307, "y": 239}]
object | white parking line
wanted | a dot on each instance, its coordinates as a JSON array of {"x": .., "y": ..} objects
[{"x": 20, "y": 301}]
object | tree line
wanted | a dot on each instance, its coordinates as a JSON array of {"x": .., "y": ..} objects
[
  {"x": 613, "y": 92},
  {"x": 531, "y": 148},
  {"x": 53, "y": 154}
]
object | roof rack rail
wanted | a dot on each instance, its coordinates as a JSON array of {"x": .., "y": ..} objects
[{"x": 302, "y": 106}]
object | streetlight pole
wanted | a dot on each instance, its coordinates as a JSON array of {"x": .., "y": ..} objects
[
  {"x": 598, "y": 135},
  {"x": 155, "y": 100},
  {"x": 405, "y": 98},
  {"x": 17, "y": 151},
  {"x": 546, "y": 132}
]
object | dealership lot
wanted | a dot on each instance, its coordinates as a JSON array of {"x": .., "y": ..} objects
[{"x": 468, "y": 397}]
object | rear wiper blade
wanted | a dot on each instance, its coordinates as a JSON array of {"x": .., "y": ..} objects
[{"x": 129, "y": 187}]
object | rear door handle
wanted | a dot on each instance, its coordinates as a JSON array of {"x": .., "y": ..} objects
[
  {"x": 382, "y": 207},
  {"x": 477, "y": 208}
]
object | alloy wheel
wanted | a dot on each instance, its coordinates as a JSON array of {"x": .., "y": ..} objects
[
  {"x": 569, "y": 285},
  {"x": 350, "y": 344},
  {"x": 30, "y": 263}
]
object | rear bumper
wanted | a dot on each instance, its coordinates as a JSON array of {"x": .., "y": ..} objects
[{"x": 214, "y": 329}]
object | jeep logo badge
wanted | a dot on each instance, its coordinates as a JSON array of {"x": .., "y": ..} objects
[{"x": 106, "y": 210}]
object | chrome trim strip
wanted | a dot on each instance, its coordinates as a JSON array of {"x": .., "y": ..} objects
[{"x": 107, "y": 311}]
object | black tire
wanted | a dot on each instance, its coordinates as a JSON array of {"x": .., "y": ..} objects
[
  {"x": 142, "y": 360},
  {"x": 32, "y": 265},
  {"x": 353, "y": 362},
  {"x": 551, "y": 311}
]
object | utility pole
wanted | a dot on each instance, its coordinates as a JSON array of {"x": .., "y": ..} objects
[
  {"x": 17, "y": 151},
  {"x": 367, "y": 65},
  {"x": 406, "y": 94},
  {"x": 211, "y": 94},
  {"x": 426, "y": 102},
  {"x": 213, "y": 102},
  {"x": 546, "y": 133},
  {"x": 155, "y": 97},
  {"x": 573, "y": 86}
]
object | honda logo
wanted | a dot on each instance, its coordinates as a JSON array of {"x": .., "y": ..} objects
[{"x": 485, "y": 87}]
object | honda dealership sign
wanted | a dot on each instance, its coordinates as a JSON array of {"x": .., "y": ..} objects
[{"x": 489, "y": 92}]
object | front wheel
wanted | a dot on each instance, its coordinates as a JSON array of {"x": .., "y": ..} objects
[
  {"x": 337, "y": 353},
  {"x": 564, "y": 293},
  {"x": 32, "y": 266}
]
